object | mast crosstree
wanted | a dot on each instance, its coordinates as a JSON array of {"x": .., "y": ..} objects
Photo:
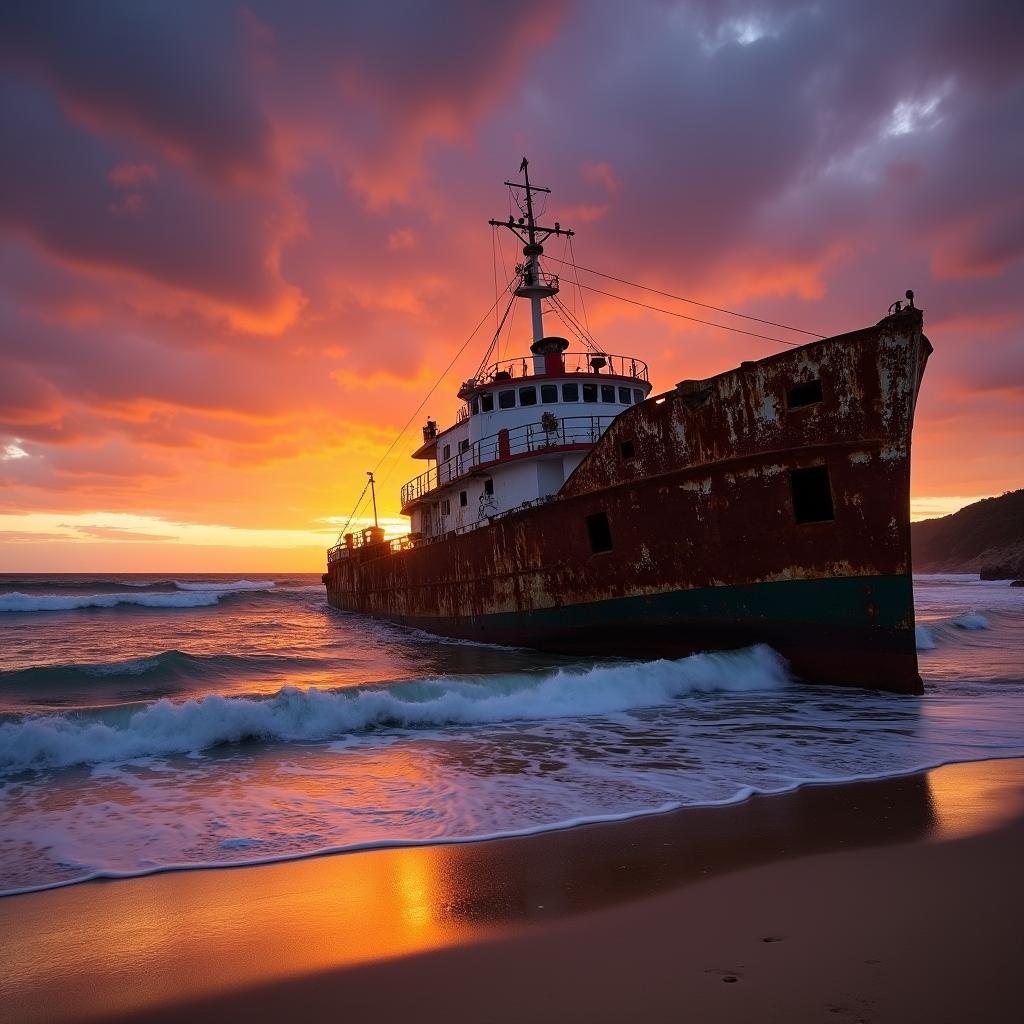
[{"x": 534, "y": 284}]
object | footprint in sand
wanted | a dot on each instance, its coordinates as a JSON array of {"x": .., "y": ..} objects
[{"x": 729, "y": 977}]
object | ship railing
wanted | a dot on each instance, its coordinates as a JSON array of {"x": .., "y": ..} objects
[
  {"x": 549, "y": 435},
  {"x": 533, "y": 278},
  {"x": 343, "y": 550},
  {"x": 575, "y": 362}
]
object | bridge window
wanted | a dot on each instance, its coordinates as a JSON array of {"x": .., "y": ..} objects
[
  {"x": 812, "y": 495},
  {"x": 570, "y": 392},
  {"x": 589, "y": 392},
  {"x": 638, "y": 396},
  {"x": 800, "y": 395},
  {"x": 607, "y": 393},
  {"x": 527, "y": 396},
  {"x": 549, "y": 393},
  {"x": 446, "y": 453},
  {"x": 625, "y": 396},
  {"x": 506, "y": 399},
  {"x": 463, "y": 499},
  {"x": 487, "y": 402},
  {"x": 489, "y": 486},
  {"x": 474, "y": 405},
  {"x": 599, "y": 533}
]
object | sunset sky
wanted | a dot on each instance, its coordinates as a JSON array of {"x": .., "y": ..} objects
[{"x": 240, "y": 241}]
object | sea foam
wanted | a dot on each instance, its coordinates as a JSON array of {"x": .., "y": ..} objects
[
  {"x": 293, "y": 714},
  {"x": 929, "y": 634}
]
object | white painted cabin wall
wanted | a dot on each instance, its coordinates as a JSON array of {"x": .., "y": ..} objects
[
  {"x": 518, "y": 481},
  {"x": 550, "y": 476}
]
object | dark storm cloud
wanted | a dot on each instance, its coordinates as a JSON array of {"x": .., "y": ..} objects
[
  {"x": 58, "y": 183},
  {"x": 715, "y": 114},
  {"x": 174, "y": 72}
]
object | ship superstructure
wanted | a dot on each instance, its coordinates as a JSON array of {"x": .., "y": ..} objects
[
  {"x": 569, "y": 509},
  {"x": 525, "y": 423}
]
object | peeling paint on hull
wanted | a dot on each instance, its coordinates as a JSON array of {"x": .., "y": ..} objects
[{"x": 707, "y": 551}]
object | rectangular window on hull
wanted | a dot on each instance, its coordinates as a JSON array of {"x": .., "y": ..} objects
[
  {"x": 474, "y": 406},
  {"x": 800, "y": 395},
  {"x": 463, "y": 499},
  {"x": 549, "y": 393},
  {"x": 487, "y": 402},
  {"x": 446, "y": 507},
  {"x": 506, "y": 399},
  {"x": 446, "y": 453},
  {"x": 527, "y": 396},
  {"x": 812, "y": 495},
  {"x": 488, "y": 486},
  {"x": 463, "y": 444},
  {"x": 599, "y": 533}
]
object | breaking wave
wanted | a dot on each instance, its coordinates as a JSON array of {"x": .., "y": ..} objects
[
  {"x": 293, "y": 714},
  {"x": 69, "y": 602},
  {"x": 105, "y": 584},
  {"x": 225, "y": 588},
  {"x": 930, "y": 634},
  {"x": 163, "y": 665},
  {"x": 183, "y": 595},
  {"x": 73, "y": 602}
]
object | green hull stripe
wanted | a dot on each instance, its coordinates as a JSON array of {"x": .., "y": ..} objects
[{"x": 840, "y": 601}]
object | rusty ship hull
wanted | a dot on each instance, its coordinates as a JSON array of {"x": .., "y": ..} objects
[{"x": 768, "y": 504}]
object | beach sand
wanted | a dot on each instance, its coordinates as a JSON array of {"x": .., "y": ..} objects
[{"x": 896, "y": 900}]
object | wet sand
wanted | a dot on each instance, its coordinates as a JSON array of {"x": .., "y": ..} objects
[{"x": 894, "y": 900}]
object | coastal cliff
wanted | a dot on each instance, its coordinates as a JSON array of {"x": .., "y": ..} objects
[{"x": 986, "y": 537}]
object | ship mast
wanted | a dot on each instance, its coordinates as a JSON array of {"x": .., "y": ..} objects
[{"x": 534, "y": 284}]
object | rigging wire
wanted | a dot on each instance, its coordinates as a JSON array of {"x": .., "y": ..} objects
[
  {"x": 565, "y": 252},
  {"x": 569, "y": 319},
  {"x": 572, "y": 329},
  {"x": 508, "y": 336},
  {"x": 355, "y": 508},
  {"x": 495, "y": 344},
  {"x": 693, "y": 319},
  {"x": 494, "y": 268},
  {"x": 505, "y": 274},
  {"x": 588, "y": 338},
  {"x": 693, "y": 302},
  {"x": 576, "y": 274},
  {"x": 444, "y": 373}
]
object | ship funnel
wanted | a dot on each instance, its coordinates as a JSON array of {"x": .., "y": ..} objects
[
  {"x": 550, "y": 344},
  {"x": 547, "y": 355}
]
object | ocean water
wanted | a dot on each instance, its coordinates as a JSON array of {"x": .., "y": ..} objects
[{"x": 150, "y": 723}]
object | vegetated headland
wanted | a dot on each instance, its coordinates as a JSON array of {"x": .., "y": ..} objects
[{"x": 986, "y": 537}]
